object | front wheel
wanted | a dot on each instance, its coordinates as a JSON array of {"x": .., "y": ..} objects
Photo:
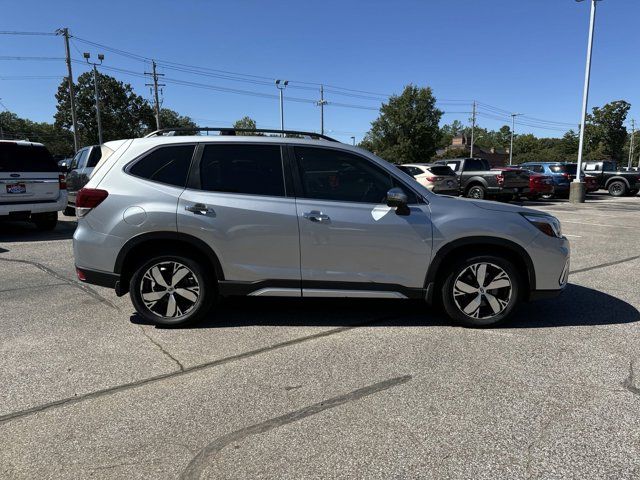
[
  {"x": 481, "y": 291},
  {"x": 476, "y": 191},
  {"x": 171, "y": 290},
  {"x": 617, "y": 189}
]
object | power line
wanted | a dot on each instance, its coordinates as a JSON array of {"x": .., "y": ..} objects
[
  {"x": 6, "y": 57},
  {"x": 6, "y": 32}
]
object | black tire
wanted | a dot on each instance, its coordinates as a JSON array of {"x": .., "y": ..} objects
[
  {"x": 45, "y": 221},
  {"x": 69, "y": 212},
  {"x": 617, "y": 188},
  {"x": 548, "y": 196},
  {"x": 498, "y": 271},
  {"x": 476, "y": 191},
  {"x": 196, "y": 283},
  {"x": 534, "y": 197}
]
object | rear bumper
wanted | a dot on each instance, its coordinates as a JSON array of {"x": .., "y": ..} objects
[
  {"x": 96, "y": 277},
  {"x": 7, "y": 208}
]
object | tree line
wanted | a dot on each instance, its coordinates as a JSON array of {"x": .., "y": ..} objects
[{"x": 408, "y": 128}]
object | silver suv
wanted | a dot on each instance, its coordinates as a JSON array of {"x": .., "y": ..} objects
[{"x": 178, "y": 221}]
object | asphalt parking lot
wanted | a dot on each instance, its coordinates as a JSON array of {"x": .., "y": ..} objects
[{"x": 323, "y": 389}]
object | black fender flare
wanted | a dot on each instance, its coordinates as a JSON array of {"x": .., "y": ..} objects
[
  {"x": 618, "y": 178},
  {"x": 441, "y": 254},
  {"x": 190, "y": 240}
]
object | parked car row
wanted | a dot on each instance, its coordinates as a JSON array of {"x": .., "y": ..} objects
[{"x": 474, "y": 178}]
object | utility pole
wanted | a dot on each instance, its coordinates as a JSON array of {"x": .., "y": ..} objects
[
  {"x": 473, "y": 127},
  {"x": 633, "y": 134},
  {"x": 155, "y": 86},
  {"x": 353, "y": 141},
  {"x": 321, "y": 103},
  {"x": 577, "y": 189},
  {"x": 72, "y": 99},
  {"x": 513, "y": 127},
  {"x": 87, "y": 56},
  {"x": 281, "y": 85}
]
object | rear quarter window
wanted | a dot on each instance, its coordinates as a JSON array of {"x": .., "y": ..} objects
[
  {"x": 16, "y": 157},
  {"x": 168, "y": 165}
]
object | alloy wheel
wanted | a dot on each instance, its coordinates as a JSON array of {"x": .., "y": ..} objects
[
  {"x": 482, "y": 290},
  {"x": 169, "y": 289}
]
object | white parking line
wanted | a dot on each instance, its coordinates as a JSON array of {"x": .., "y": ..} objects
[
  {"x": 574, "y": 236},
  {"x": 597, "y": 224}
]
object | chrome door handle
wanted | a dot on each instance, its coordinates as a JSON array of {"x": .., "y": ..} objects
[
  {"x": 200, "y": 209},
  {"x": 316, "y": 216}
]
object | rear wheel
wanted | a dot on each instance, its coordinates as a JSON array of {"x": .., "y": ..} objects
[
  {"x": 617, "y": 189},
  {"x": 481, "y": 291},
  {"x": 476, "y": 191},
  {"x": 45, "y": 221},
  {"x": 172, "y": 290}
]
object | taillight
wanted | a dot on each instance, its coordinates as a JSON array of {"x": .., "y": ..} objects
[
  {"x": 433, "y": 179},
  {"x": 89, "y": 198},
  {"x": 62, "y": 182},
  {"x": 500, "y": 179}
]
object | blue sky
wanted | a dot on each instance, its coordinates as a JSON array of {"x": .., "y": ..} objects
[{"x": 523, "y": 56}]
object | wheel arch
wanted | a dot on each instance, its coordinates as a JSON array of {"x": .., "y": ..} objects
[
  {"x": 614, "y": 179},
  {"x": 147, "y": 244},
  {"x": 484, "y": 245}
]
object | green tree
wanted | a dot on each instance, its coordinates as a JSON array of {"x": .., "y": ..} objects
[
  {"x": 171, "y": 119},
  {"x": 449, "y": 131},
  {"x": 245, "y": 122},
  {"x": 606, "y": 132},
  {"x": 59, "y": 141},
  {"x": 407, "y": 129},
  {"x": 124, "y": 114}
]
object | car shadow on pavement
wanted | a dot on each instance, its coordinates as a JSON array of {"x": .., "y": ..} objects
[
  {"x": 577, "y": 306},
  {"x": 16, "y": 231}
]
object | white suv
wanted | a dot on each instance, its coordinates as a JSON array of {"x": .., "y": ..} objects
[
  {"x": 31, "y": 187},
  {"x": 177, "y": 221}
]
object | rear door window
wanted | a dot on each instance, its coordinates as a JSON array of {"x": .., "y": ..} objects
[
  {"x": 168, "y": 165},
  {"x": 441, "y": 170},
  {"x": 242, "y": 168},
  {"x": 455, "y": 166},
  {"x": 18, "y": 157},
  {"x": 474, "y": 164},
  {"x": 413, "y": 171}
]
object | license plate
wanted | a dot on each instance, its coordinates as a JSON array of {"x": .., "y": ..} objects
[{"x": 16, "y": 188}]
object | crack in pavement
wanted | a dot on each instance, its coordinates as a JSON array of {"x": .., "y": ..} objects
[
  {"x": 630, "y": 381},
  {"x": 199, "y": 463},
  {"x": 162, "y": 349},
  {"x": 56, "y": 275},
  {"x": 603, "y": 265},
  {"x": 158, "y": 378}
]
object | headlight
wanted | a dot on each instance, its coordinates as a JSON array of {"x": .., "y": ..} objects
[{"x": 545, "y": 223}]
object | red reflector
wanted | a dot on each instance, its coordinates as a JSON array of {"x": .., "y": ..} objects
[
  {"x": 81, "y": 275},
  {"x": 62, "y": 180},
  {"x": 90, "y": 197},
  {"x": 500, "y": 179}
]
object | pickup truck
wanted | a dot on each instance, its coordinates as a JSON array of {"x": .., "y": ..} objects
[
  {"x": 478, "y": 180},
  {"x": 617, "y": 182}
]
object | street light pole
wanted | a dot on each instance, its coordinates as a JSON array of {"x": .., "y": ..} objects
[
  {"x": 578, "y": 188},
  {"x": 633, "y": 134},
  {"x": 473, "y": 128},
  {"x": 513, "y": 127},
  {"x": 281, "y": 85},
  {"x": 353, "y": 141},
  {"x": 87, "y": 56}
]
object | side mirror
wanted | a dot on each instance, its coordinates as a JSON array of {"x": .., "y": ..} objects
[{"x": 398, "y": 199}]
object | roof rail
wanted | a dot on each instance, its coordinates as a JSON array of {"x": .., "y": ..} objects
[{"x": 232, "y": 131}]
